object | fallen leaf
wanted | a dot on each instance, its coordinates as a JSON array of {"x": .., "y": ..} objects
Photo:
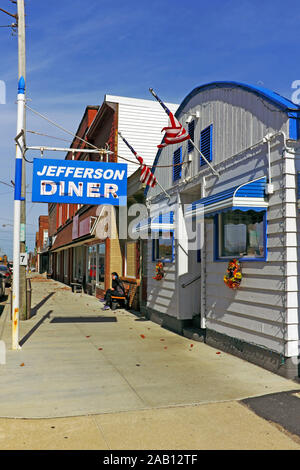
[
  {"x": 100, "y": 349},
  {"x": 191, "y": 345},
  {"x": 142, "y": 336},
  {"x": 87, "y": 336},
  {"x": 218, "y": 352},
  {"x": 162, "y": 340},
  {"x": 22, "y": 365}
]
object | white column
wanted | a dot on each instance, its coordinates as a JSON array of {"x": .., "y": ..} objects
[{"x": 17, "y": 215}]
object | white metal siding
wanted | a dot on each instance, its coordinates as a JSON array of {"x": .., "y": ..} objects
[
  {"x": 264, "y": 311},
  {"x": 240, "y": 120},
  {"x": 140, "y": 122},
  {"x": 256, "y": 312},
  {"x": 161, "y": 295}
]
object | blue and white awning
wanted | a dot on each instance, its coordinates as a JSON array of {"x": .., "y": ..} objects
[
  {"x": 244, "y": 197},
  {"x": 162, "y": 222}
]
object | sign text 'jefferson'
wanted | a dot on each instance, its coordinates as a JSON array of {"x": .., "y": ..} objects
[{"x": 79, "y": 182}]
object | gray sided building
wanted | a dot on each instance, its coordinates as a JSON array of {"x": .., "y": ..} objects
[{"x": 250, "y": 136}]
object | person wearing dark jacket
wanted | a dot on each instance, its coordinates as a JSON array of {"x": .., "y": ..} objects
[{"x": 117, "y": 290}]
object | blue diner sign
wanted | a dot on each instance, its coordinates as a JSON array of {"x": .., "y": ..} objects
[{"x": 79, "y": 182}]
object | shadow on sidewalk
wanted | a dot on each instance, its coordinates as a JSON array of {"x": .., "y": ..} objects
[
  {"x": 27, "y": 336},
  {"x": 83, "y": 319},
  {"x": 34, "y": 310}
]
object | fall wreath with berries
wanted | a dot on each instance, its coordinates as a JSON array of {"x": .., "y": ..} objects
[
  {"x": 159, "y": 268},
  {"x": 233, "y": 276}
]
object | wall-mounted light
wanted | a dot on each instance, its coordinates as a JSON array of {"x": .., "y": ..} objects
[{"x": 192, "y": 116}]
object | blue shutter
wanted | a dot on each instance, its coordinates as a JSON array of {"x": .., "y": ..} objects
[
  {"x": 177, "y": 158},
  {"x": 191, "y": 131},
  {"x": 206, "y": 144}
]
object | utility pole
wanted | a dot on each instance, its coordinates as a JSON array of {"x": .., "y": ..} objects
[
  {"x": 22, "y": 73},
  {"x": 17, "y": 217},
  {"x": 19, "y": 276}
]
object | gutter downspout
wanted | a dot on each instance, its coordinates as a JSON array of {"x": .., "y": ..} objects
[
  {"x": 203, "y": 266},
  {"x": 291, "y": 335}
]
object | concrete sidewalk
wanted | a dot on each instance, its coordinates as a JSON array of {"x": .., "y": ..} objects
[{"x": 126, "y": 382}]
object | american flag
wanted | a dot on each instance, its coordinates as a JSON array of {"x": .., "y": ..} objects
[
  {"x": 147, "y": 176},
  {"x": 174, "y": 133}
]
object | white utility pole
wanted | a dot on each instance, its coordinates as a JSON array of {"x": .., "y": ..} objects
[
  {"x": 22, "y": 73},
  {"x": 17, "y": 218},
  {"x": 19, "y": 284}
]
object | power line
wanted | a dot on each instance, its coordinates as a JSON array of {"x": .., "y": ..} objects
[
  {"x": 61, "y": 128},
  {"x": 7, "y": 184},
  {"x": 46, "y": 135}
]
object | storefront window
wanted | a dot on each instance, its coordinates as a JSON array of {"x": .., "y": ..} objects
[
  {"x": 163, "y": 248},
  {"x": 96, "y": 266},
  {"x": 66, "y": 262},
  {"x": 57, "y": 263},
  {"x": 101, "y": 265},
  {"x": 131, "y": 259},
  {"x": 241, "y": 234},
  {"x": 92, "y": 265},
  {"x": 78, "y": 258}
]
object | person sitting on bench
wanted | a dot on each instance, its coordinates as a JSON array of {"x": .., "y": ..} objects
[{"x": 117, "y": 290}]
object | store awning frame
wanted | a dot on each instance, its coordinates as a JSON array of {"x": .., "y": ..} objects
[
  {"x": 247, "y": 196},
  {"x": 163, "y": 222}
]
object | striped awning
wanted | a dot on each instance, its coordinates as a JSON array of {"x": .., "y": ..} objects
[
  {"x": 159, "y": 223},
  {"x": 244, "y": 197}
]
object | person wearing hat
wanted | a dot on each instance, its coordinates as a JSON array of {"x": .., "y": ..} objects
[{"x": 117, "y": 290}]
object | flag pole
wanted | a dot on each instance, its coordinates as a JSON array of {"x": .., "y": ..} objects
[
  {"x": 135, "y": 154},
  {"x": 205, "y": 159},
  {"x": 190, "y": 140},
  {"x": 168, "y": 195}
]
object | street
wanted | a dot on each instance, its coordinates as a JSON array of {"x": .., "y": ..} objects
[{"x": 88, "y": 379}]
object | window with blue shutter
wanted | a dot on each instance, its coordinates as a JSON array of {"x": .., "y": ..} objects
[
  {"x": 177, "y": 159},
  {"x": 206, "y": 144},
  {"x": 191, "y": 131}
]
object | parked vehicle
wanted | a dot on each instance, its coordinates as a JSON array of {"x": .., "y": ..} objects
[
  {"x": 6, "y": 273},
  {"x": 10, "y": 266},
  {"x": 2, "y": 285}
]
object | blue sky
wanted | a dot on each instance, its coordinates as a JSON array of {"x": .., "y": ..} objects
[{"x": 77, "y": 51}]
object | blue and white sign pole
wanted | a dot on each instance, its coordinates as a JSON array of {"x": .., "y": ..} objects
[{"x": 17, "y": 217}]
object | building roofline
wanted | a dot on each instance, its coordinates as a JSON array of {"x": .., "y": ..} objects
[
  {"x": 284, "y": 104},
  {"x": 279, "y": 101}
]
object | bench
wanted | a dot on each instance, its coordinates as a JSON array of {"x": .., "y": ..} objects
[
  {"x": 122, "y": 301},
  {"x": 125, "y": 301},
  {"x": 76, "y": 286}
]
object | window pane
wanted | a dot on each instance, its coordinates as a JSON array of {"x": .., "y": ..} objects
[
  {"x": 131, "y": 259},
  {"x": 242, "y": 234},
  {"x": 234, "y": 240},
  {"x": 66, "y": 262},
  {"x": 92, "y": 264},
  {"x": 101, "y": 265},
  {"x": 255, "y": 245},
  {"x": 165, "y": 248}
]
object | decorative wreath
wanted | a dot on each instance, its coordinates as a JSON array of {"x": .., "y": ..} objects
[
  {"x": 159, "y": 268},
  {"x": 234, "y": 275}
]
